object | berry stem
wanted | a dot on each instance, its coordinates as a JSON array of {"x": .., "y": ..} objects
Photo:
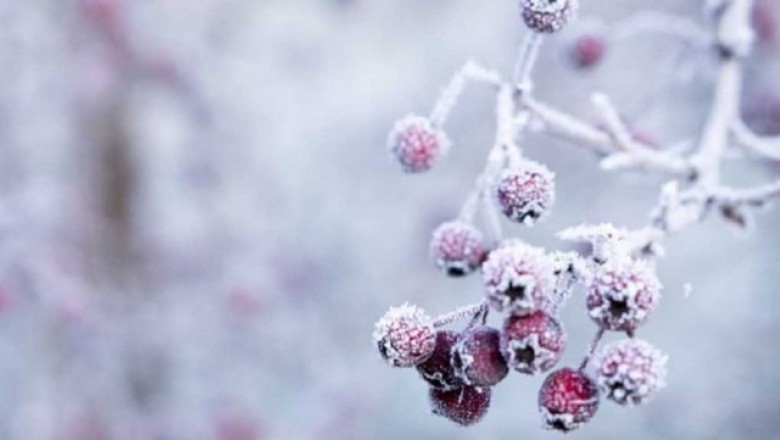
[
  {"x": 592, "y": 348},
  {"x": 529, "y": 52},
  {"x": 471, "y": 310}
]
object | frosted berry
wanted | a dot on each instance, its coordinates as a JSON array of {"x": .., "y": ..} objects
[
  {"x": 630, "y": 371},
  {"x": 622, "y": 295},
  {"x": 588, "y": 50},
  {"x": 548, "y": 16},
  {"x": 526, "y": 192},
  {"x": 477, "y": 357},
  {"x": 438, "y": 369},
  {"x": 518, "y": 278},
  {"x": 464, "y": 406},
  {"x": 405, "y": 336},
  {"x": 533, "y": 343},
  {"x": 568, "y": 399},
  {"x": 457, "y": 248},
  {"x": 417, "y": 143}
]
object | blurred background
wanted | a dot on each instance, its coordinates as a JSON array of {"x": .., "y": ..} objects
[{"x": 200, "y": 222}]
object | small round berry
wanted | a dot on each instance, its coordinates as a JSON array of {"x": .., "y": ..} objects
[
  {"x": 405, "y": 336},
  {"x": 622, "y": 295},
  {"x": 568, "y": 399},
  {"x": 438, "y": 370},
  {"x": 548, "y": 16},
  {"x": 518, "y": 278},
  {"x": 457, "y": 248},
  {"x": 532, "y": 343},
  {"x": 630, "y": 371},
  {"x": 588, "y": 50},
  {"x": 477, "y": 357},
  {"x": 526, "y": 192},
  {"x": 417, "y": 143},
  {"x": 464, "y": 406}
]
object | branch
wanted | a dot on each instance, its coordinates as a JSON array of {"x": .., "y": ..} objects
[{"x": 768, "y": 148}]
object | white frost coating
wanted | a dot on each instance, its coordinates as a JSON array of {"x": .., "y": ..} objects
[
  {"x": 622, "y": 294},
  {"x": 525, "y": 191},
  {"x": 608, "y": 241},
  {"x": 630, "y": 371},
  {"x": 457, "y": 248},
  {"x": 518, "y": 278},
  {"x": 569, "y": 270},
  {"x": 548, "y": 5},
  {"x": 405, "y": 335},
  {"x": 417, "y": 143},
  {"x": 543, "y": 358}
]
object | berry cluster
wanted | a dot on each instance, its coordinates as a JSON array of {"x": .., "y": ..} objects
[{"x": 526, "y": 285}]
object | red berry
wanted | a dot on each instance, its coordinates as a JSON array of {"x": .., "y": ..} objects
[
  {"x": 588, "y": 50},
  {"x": 548, "y": 16},
  {"x": 477, "y": 357},
  {"x": 526, "y": 192},
  {"x": 532, "y": 343},
  {"x": 457, "y": 248},
  {"x": 438, "y": 369},
  {"x": 630, "y": 371},
  {"x": 464, "y": 406},
  {"x": 622, "y": 295},
  {"x": 417, "y": 143},
  {"x": 568, "y": 399},
  {"x": 518, "y": 278},
  {"x": 405, "y": 336}
]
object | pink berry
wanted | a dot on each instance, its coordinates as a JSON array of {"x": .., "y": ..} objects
[
  {"x": 533, "y": 343},
  {"x": 457, "y": 248},
  {"x": 548, "y": 16},
  {"x": 588, "y": 50},
  {"x": 518, "y": 278},
  {"x": 464, "y": 406},
  {"x": 630, "y": 371},
  {"x": 622, "y": 295},
  {"x": 438, "y": 369},
  {"x": 526, "y": 192},
  {"x": 568, "y": 399},
  {"x": 477, "y": 357},
  {"x": 405, "y": 336},
  {"x": 417, "y": 143}
]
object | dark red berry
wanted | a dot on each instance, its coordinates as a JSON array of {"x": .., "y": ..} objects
[
  {"x": 568, "y": 399},
  {"x": 532, "y": 343},
  {"x": 477, "y": 357},
  {"x": 438, "y": 370},
  {"x": 588, "y": 50},
  {"x": 464, "y": 406}
]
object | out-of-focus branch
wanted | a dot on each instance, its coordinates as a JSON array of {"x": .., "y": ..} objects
[{"x": 765, "y": 147}]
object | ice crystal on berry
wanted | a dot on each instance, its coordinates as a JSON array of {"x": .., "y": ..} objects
[
  {"x": 568, "y": 399},
  {"x": 464, "y": 406},
  {"x": 477, "y": 357},
  {"x": 569, "y": 270},
  {"x": 438, "y": 369},
  {"x": 526, "y": 192},
  {"x": 417, "y": 144},
  {"x": 457, "y": 248},
  {"x": 533, "y": 343},
  {"x": 622, "y": 295},
  {"x": 630, "y": 371},
  {"x": 518, "y": 278},
  {"x": 548, "y": 16},
  {"x": 405, "y": 336}
]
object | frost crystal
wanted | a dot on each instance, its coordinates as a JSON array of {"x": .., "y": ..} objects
[
  {"x": 417, "y": 143},
  {"x": 622, "y": 295},
  {"x": 630, "y": 371},
  {"x": 548, "y": 16},
  {"x": 405, "y": 336},
  {"x": 569, "y": 270},
  {"x": 607, "y": 241},
  {"x": 526, "y": 192},
  {"x": 518, "y": 278},
  {"x": 457, "y": 248}
]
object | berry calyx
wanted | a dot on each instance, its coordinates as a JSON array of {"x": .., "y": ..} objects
[
  {"x": 405, "y": 336},
  {"x": 526, "y": 192},
  {"x": 629, "y": 372},
  {"x": 518, "y": 278},
  {"x": 464, "y": 406},
  {"x": 622, "y": 295},
  {"x": 438, "y": 369},
  {"x": 477, "y": 357},
  {"x": 417, "y": 144},
  {"x": 533, "y": 343},
  {"x": 457, "y": 248},
  {"x": 568, "y": 399},
  {"x": 548, "y": 16}
]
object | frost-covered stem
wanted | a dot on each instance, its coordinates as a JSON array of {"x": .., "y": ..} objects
[
  {"x": 594, "y": 344},
  {"x": 768, "y": 148},
  {"x": 491, "y": 217},
  {"x": 469, "y": 311},
  {"x": 449, "y": 96},
  {"x": 735, "y": 37},
  {"x": 757, "y": 195},
  {"x": 529, "y": 52}
]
